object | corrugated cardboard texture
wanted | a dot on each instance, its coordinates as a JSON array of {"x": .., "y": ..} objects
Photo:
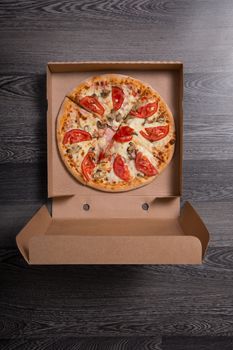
[{"x": 165, "y": 78}]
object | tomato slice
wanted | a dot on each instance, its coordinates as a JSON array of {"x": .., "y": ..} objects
[
  {"x": 143, "y": 165},
  {"x": 124, "y": 134},
  {"x": 76, "y": 135},
  {"x": 145, "y": 111},
  {"x": 155, "y": 133},
  {"x": 88, "y": 165},
  {"x": 92, "y": 104},
  {"x": 117, "y": 97},
  {"x": 121, "y": 169},
  {"x": 101, "y": 156}
]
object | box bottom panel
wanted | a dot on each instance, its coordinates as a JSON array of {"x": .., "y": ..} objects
[{"x": 116, "y": 227}]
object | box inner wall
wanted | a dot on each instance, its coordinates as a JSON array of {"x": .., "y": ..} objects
[
  {"x": 115, "y": 227},
  {"x": 166, "y": 82}
]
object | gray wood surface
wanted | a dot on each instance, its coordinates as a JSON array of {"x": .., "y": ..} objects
[{"x": 146, "y": 307}]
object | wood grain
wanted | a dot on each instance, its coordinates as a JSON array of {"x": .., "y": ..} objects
[
  {"x": 202, "y": 181},
  {"x": 208, "y": 180},
  {"x": 23, "y": 130},
  {"x": 15, "y": 214},
  {"x": 110, "y": 46},
  {"x": 219, "y": 220},
  {"x": 120, "y": 343},
  {"x": 81, "y": 343},
  {"x": 116, "y": 300},
  {"x": 117, "y": 307},
  {"x": 197, "y": 343},
  {"x": 24, "y": 183},
  {"x": 13, "y": 218},
  {"x": 195, "y": 32}
]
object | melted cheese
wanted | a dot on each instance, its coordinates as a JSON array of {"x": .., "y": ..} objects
[
  {"x": 148, "y": 154},
  {"x": 89, "y": 124},
  {"x": 80, "y": 149},
  {"x": 132, "y": 168},
  {"x": 150, "y": 145},
  {"x": 70, "y": 116},
  {"x": 106, "y": 102},
  {"x": 137, "y": 125},
  {"x": 121, "y": 149},
  {"x": 128, "y": 102},
  {"x": 113, "y": 178},
  {"x": 102, "y": 142},
  {"x": 102, "y": 170},
  {"x": 80, "y": 118}
]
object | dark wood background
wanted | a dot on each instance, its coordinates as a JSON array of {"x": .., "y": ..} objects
[{"x": 117, "y": 307}]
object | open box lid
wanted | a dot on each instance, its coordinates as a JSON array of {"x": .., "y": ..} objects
[
  {"x": 173, "y": 240},
  {"x": 165, "y": 77}
]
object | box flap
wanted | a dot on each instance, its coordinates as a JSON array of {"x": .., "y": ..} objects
[
  {"x": 37, "y": 226},
  {"x": 115, "y": 240},
  {"x": 115, "y": 250},
  {"x": 193, "y": 225}
]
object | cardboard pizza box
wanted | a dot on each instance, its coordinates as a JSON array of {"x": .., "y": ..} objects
[{"x": 87, "y": 226}]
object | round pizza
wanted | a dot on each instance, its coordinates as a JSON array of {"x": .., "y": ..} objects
[{"x": 115, "y": 133}]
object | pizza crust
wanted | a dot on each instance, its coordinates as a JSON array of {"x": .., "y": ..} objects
[
  {"x": 66, "y": 107},
  {"x": 69, "y": 116},
  {"x": 121, "y": 186}
]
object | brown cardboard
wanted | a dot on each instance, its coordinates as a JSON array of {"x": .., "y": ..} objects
[
  {"x": 116, "y": 229},
  {"x": 124, "y": 250},
  {"x": 114, "y": 240},
  {"x": 165, "y": 78},
  {"x": 116, "y": 207}
]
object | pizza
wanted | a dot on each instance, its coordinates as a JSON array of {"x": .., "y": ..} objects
[{"x": 115, "y": 133}]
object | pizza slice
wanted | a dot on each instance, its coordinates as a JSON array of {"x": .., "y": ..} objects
[
  {"x": 126, "y": 165},
  {"x": 147, "y": 105},
  {"x": 94, "y": 95},
  {"x": 145, "y": 110},
  {"x": 67, "y": 116},
  {"x": 153, "y": 126},
  {"x": 160, "y": 141},
  {"x": 81, "y": 158},
  {"x": 137, "y": 159},
  {"x": 77, "y": 134},
  {"x": 115, "y": 133},
  {"x": 125, "y": 93},
  {"x": 110, "y": 96},
  {"x": 75, "y": 122}
]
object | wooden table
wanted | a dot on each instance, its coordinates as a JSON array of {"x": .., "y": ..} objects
[{"x": 117, "y": 307}]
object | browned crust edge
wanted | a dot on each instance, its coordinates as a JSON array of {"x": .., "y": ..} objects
[{"x": 121, "y": 187}]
